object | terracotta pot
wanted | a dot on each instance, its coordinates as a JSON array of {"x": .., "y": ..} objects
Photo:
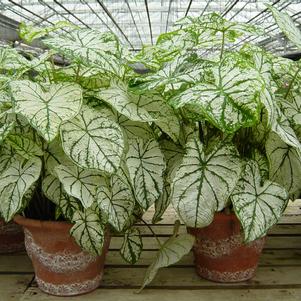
[
  {"x": 11, "y": 237},
  {"x": 219, "y": 251},
  {"x": 61, "y": 267}
]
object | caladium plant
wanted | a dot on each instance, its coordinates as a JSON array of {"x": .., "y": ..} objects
[
  {"x": 79, "y": 137},
  {"x": 238, "y": 148}
]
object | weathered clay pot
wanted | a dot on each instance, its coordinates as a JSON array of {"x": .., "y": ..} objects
[
  {"x": 61, "y": 267},
  {"x": 11, "y": 237},
  {"x": 219, "y": 251}
]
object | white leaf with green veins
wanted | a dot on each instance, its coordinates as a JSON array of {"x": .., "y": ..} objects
[
  {"x": 115, "y": 200},
  {"x": 146, "y": 165},
  {"x": 54, "y": 191},
  {"x": 125, "y": 102},
  {"x": 132, "y": 246},
  {"x": 54, "y": 155},
  {"x": 287, "y": 25},
  {"x": 91, "y": 48},
  {"x": 204, "y": 182},
  {"x": 93, "y": 141},
  {"x": 79, "y": 183},
  {"x": 7, "y": 156},
  {"x": 292, "y": 109},
  {"x": 230, "y": 103},
  {"x": 162, "y": 203},
  {"x": 46, "y": 106},
  {"x": 258, "y": 206},
  {"x": 284, "y": 164},
  {"x": 24, "y": 146},
  {"x": 170, "y": 252},
  {"x": 15, "y": 181},
  {"x": 88, "y": 231}
]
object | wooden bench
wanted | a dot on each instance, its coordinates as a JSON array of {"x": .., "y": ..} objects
[{"x": 278, "y": 276}]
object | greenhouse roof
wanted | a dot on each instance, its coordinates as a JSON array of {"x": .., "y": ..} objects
[{"x": 138, "y": 22}]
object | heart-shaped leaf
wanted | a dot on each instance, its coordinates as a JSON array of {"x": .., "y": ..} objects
[
  {"x": 88, "y": 231},
  {"x": 132, "y": 246},
  {"x": 258, "y": 206},
  {"x": 46, "y": 106},
  {"x": 204, "y": 182},
  {"x": 93, "y": 141},
  {"x": 80, "y": 183},
  {"x": 15, "y": 181},
  {"x": 115, "y": 200},
  {"x": 146, "y": 165}
]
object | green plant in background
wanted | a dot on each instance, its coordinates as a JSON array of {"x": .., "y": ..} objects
[{"x": 239, "y": 144}]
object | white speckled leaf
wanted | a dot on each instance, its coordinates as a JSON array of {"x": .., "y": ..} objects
[
  {"x": 132, "y": 246},
  {"x": 54, "y": 191},
  {"x": 88, "y": 231},
  {"x": 5, "y": 130},
  {"x": 24, "y": 146},
  {"x": 46, "y": 106},
  {"x": 229, "y": 104},
  {"x": 203, "y": 183},
  {"x": 146, "y": 165},
  {"x": 115, "y": 200},
  {"x": 284, "y": 164},
  {"x": 171, "y": 252},
  {"x": 79, "y": 183},
  {"x": 93, "y": 141},
  {"x": 15, "y": 181},
  {"x": 258, "y": 206}
]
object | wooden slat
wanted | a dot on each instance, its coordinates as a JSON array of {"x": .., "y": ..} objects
[
  {"x": 20, "y": 263},
  {"x": 34, "y": 294},
  {"x": 13, "y": 286},
  {"x": 273, "y": 242},
  {"x": 185, "y": 277},
  {"x": 168, "y": 229},
  {"x": 292, "y": 215}
]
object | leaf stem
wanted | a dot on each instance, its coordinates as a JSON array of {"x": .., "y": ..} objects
[{"x": 150, "y": 229}]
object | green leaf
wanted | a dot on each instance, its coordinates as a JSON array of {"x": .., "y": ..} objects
[
  {"x": 46, "y": 106},
  {"x": 54, "y": 191},
  {"x": 162, "y": 203},
  {"x": 204, "y": 182},
  {"x": 115, "y": 200},
  {"x": 79, "y": 183},
  {"x": 284, "y": 164},
  {"x": 28, "y": 33},
  {"x": 146, "y": 165},
  {"x": 230, "y": 103},
  {"x": 15, "y": 181},
  {"x": 132, "y": 246},
  {"x": 5, "y": 130},
  {"x": 171, "y": 252},
  {"x": 258, "y": 205},
  {"x": 92, "y": 140},
  {"x": 88, "y": 231},
  {"x": 7, "y": 156},
  {"x": 24, "y": 146},
  {"x": 287, "y": 25}
]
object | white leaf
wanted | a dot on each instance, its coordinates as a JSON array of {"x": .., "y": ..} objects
[
  {"x": 46, "y": 106},
  {"x": 88, "y": 231},
  {"x": 132, "y": 246},
  {"x": 258, "y": 206},
  {"x": 93, "y": 141},
  {"x": 171, "y": 252},
  {"x": 80, "y": 183},
  {"x": 146, "y": 165},
  {"x": 15, "y": 181},
  {"x": 204, "y": 182}
]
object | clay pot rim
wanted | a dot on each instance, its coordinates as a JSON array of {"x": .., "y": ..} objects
[{"x": 35, "y": 223}]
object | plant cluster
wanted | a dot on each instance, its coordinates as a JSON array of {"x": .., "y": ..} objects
[{"x": 210, "y": 127}]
